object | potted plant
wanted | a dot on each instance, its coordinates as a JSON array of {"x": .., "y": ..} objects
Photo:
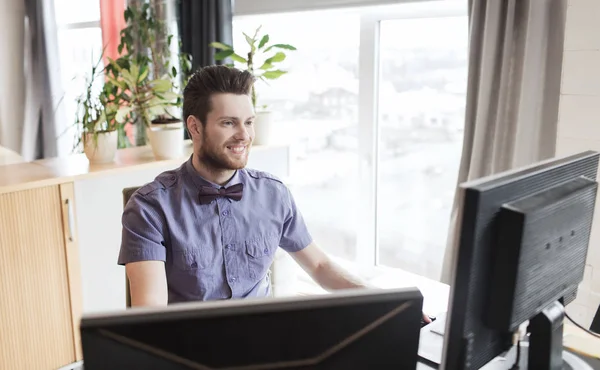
[
  {"x": 96, "y": 128},
  {"x": 261, "y": 61},
  {"x": 145, "y": 98},
  {"x": 143, "y": 82}
]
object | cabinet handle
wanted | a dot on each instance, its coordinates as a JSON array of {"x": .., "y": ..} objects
[{"x": 70, "y": 225}]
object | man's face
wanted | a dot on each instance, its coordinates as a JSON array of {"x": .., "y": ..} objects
[{"x": 227, "y": 136}]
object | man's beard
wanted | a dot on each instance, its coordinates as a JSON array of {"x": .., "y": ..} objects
[{"x": 216, "y": 160}]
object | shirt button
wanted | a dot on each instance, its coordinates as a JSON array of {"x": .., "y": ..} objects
[
  {"x": 266, "y": 250},
  {"x": 232, "y": 280},
  {"x": 225, "y": 213},
  {"x": 228, "y": 246}
]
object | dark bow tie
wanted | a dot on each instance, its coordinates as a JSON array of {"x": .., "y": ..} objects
[{"x": 209, "y": 193}]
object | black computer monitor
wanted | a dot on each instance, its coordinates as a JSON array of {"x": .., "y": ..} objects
[
  {"x": 520, "y": 255},
  {"x": 353, "y": 329}
]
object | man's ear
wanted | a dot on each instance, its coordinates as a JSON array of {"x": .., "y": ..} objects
[{"x": 193, "y": 126}]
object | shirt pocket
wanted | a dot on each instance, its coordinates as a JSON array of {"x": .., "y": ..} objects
[
  {"x": 192, "y": 259},
  {"x": 260, "y": 253}
]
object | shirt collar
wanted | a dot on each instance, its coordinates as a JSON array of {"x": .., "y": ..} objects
[{"x": 201, "y": 181}]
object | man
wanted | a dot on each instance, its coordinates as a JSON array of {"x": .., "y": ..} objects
[{"x": 209, "y": 229}]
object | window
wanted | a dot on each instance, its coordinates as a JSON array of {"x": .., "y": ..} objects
[
  {"x": 317, "y": 103},
  {"x": 422, "y": 92},
  {"x": 375, "y": 105},
  {"x": 80, "y": 47}
]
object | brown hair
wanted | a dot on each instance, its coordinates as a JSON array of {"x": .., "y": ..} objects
[{"x": 210, "y": 80}]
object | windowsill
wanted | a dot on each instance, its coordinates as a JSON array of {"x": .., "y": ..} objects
[{"x": 435, "y": 294}]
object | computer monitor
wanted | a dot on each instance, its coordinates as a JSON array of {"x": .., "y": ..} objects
[
  {"x": 520, "y": 255},
  {"x": 353, "y": 329}
]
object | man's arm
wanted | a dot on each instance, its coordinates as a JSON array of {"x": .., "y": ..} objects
[
  {"x": 324, "y": 271},
  {"x": 147, "y": 283}
]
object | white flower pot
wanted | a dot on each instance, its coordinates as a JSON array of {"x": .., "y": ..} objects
[
  {"x": 100, "y": 147},
  {"x": 166, "y": 140},
  {"x": 265, "y": 129}
]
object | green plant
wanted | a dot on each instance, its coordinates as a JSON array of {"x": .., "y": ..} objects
[
  {"x": 261, "y": 61},
  {"x": 95, "y": 113},
  {"x": 137, "y": 94},
  {"x": 144, "y": 82}
]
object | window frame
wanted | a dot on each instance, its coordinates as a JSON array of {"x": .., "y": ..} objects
[{"x": 373, "y": 12}]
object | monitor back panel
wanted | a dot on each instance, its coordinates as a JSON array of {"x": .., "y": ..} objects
[{"x": 320, "y": 334}]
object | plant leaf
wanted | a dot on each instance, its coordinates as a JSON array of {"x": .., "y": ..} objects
[
  {"x": 223, "y": 54},
  {"x": 263, "y": 41},
  {"x": 220, "y": 45},
  {"x": 280, "y": 46},
  {"x": 238, "y": 58},
  {"x": 122, "y": 114},
  {"x": 278, "y": 57},
  {"x": 266, "y": 66},
  {"x": 169, "y": 96},
  {"x": 161, "y": 85},
  {"x": 250, "y": 42},
  {"x": 272, "y": 75},
  {"x": 143, "y": 74}
]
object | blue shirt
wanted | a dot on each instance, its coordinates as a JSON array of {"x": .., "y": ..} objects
[{"x": 212, "y": 251}]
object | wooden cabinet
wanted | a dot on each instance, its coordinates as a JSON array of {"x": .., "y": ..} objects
[{"x": 39, "y": 279}]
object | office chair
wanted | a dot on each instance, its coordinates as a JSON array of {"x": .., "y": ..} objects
[
  {"x": 595, "y": 327},
  {"x": 127, "y": 193}
]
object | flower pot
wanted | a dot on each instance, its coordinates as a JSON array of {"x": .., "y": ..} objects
[
  {"x": 166, "y": 140},
  {"x": 100, "y": 147},
  {"x": 265, "y": 129}
]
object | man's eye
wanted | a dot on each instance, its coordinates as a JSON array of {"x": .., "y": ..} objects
[
  {"x": 250, "y": 123},
  {"x": 228, "y": 123}
]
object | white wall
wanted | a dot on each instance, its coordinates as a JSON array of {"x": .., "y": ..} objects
[{"x": 579, "y": 126}]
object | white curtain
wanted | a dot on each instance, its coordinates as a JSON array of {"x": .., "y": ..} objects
[
  {"x": 12, "y": 78},
  {"x": 31, "y": 118},
  {"x": 515, "y": 66}
]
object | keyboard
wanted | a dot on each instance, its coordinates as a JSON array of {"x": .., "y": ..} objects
[{"x": 431, "y": 340}]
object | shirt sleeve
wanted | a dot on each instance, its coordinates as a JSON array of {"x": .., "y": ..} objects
[
  {"x": 142, "y": 236},
  {"x": 295, "y": 236}
]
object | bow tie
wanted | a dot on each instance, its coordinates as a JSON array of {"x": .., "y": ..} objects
[{"x": 209, "y": 193}]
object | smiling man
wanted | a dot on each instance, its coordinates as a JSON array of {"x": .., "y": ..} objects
[{"x": 209, "y": 229}]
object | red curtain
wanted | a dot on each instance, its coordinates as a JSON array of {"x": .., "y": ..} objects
[{"x": 111, "y": 22}]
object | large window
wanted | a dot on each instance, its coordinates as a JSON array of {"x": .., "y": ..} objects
[
  {"x": 375, "y": 104},
  {"x": 317, "y": 103}
]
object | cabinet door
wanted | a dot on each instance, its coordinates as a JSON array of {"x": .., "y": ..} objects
[{"x": 36, "y": 320}]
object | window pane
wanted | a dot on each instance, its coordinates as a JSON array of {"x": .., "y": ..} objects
[
  {"x": 317, "y": 104},
  {"x": 79, "y": 49},
  {"x": 422, "y": 92},
  {"x": 74, "y": 11}
]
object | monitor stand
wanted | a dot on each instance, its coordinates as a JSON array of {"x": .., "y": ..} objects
[{"x": 544, "y": 348}]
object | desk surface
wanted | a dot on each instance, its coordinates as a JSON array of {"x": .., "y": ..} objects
[{"x": 575, "y": 341}]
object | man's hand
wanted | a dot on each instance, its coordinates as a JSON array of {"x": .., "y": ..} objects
[
  {"x": 426, "y": 318},
  {"x": 147, "y": 283}
]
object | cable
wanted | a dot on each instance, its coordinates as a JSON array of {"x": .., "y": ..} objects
[
  {"x": 516, "y": 340},
  {"x": 517, "y": 366},
  {"x": 581, "y": 326}
]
